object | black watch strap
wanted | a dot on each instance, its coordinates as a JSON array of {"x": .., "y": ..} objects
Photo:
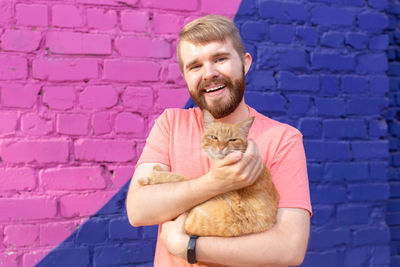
[{"x": 191, "y": 249}]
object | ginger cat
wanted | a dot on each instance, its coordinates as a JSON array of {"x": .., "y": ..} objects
[{"x": 248, "y": 210}]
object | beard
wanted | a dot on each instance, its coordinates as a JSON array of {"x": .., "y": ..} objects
[{"x": 236, "y": 91}]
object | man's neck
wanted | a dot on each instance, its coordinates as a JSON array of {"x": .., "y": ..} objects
[{"x": 238, "y": 115}]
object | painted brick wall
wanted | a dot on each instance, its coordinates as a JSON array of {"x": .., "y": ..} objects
[
  {"x": 320, "y": 65},
  {"x": 81, "y": 82},
  {"x": 393, "y": 119}
]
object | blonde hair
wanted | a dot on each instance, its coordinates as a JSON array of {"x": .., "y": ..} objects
[{"x": 211, "y": 28}]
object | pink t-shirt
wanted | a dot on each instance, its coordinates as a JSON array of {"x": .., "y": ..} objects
[{"x": 175, "y": 140}]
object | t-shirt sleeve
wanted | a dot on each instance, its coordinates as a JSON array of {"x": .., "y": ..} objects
[
  {"x": 156, "y": 149},
  {"x": 289, "y": 174}
]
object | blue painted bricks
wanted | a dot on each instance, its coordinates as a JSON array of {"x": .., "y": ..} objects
[
  {"x": 371, "y": 21},
  {"x": 332, "y": 16},
  {"x": 333, "y": 39},
  {"x": 324, "y": 66},
  {"x": 106, "y": 239},
  {"x": 392, "y": 117},
  {"x": 356, "y": 40}
]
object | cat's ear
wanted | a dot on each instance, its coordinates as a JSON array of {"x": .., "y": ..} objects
[
  {"x": 246, "y": 125},
  {"x": 208, "y": 119}
]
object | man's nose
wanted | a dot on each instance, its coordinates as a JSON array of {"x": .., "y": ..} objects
[{"x": 210, "y": 71}]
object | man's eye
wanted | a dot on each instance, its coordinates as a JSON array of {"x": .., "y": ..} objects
[
  {"x": 194, "y": 67},
  {"x": 220, "y": 59}
]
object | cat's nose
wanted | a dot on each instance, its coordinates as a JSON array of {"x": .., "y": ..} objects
[{"x": 221, "y": 147}]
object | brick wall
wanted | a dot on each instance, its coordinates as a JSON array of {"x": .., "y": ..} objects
[
  {"x": 321, "y": 66},
  {"x": 82, "y": 81},
  {"x": 393, "y": 119}
]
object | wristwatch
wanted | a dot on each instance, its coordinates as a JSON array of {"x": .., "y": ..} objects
[{"x": 191, "y": 249}]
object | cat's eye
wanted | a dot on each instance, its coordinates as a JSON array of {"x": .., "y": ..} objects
[
  {"x": 213, "y": 137},
  {"x": 233, "y": 140}
]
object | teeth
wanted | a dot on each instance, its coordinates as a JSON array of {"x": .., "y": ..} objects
[{"x": 215, "y": 89}]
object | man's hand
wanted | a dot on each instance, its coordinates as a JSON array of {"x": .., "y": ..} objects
[
  {"x": 174, "y": 237},
  {"x": 236, "y": 170}
]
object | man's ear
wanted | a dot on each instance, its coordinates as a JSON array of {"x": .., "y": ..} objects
[{"x": 247, "y": 62}]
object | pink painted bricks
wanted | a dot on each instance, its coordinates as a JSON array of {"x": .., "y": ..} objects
[
  {"x": 8, "y": 122},
  {"x": 59, "y": 97},
  {"x": 135, "y": 21},
  {"x": 101, "y": 19},
  {"x": 64, "y": 69},
  {"x": 17, "y": 179},
  {"x": 167, "y": 23},
  {"x": 34, "y": 124},
  {"x": 101, "y": 123},
  {"x": 72, "y": 178},
  {"x": 21, "y": 40},
  {"x": 138, "y": 98},
  {"x": 67, "y": 16},
  {"x": 32, "y": 15},
  {"x": 130, "y": 123},
  {"x": 82, "y": 205},
  {"x": 143, "y": 47},
  {"x": 189, "y": 5},
  {"x": 34, "y": 151},
  {"x": 98, "y": 97},
  {"x": 81, "y": 83},
  {"x": 72, "y": 124},
  {"x": 20, "y": 209},
  {"x": 118, "y": 70},
  {"x": 104, "y": 150},
  {"x": 13, "y": 67},
  {"x": 78, "y": 43},
  {"x": 11, "y": 95},
  {"x": 22, "y": 235}
]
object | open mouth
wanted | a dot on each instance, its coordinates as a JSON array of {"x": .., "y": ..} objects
[{"x": 214, "y": 89}]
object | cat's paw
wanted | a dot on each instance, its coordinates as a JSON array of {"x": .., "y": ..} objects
[
  {"x": 144, "y": 181},
  {"x": 157, "y": 168}
]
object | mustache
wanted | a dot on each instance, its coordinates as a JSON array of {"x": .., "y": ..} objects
[{"x": 217, "y": 80}]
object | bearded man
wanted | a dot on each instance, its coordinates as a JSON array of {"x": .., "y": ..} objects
[{"x": 214, "y": 63}]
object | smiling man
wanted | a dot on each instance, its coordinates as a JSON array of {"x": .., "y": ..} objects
[
  {"x": 214, "y": 63},
  {"x": 214, "y": 83}
]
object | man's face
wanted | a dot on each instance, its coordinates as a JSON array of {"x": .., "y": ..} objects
[{"x": 215, "y": 75}]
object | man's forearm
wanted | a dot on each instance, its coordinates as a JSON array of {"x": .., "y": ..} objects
[
  {"x": 285, "y": 244},
  {"x": 167, "y": 201},
  {"x": 245, "y": 251},
  {"x": 154, "y": 204}
]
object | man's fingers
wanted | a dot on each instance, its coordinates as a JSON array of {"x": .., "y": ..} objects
[
  {"x": 250, "y": 155},
  {"x": 234, "y": 157},
  {"x": 182, "y": 217},
  {"x": 230, "y": 159},
  {"x": 252, "y": 161},
  {"x": 258, "y": 170},
  {"x": 252, "y": 148},
  {"x": 253, "y": 168}
]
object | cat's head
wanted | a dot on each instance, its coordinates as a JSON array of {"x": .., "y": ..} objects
[{"x": 219, "y": 139}]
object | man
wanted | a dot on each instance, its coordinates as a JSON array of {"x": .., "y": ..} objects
[{"x": 214, "y": 63}]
